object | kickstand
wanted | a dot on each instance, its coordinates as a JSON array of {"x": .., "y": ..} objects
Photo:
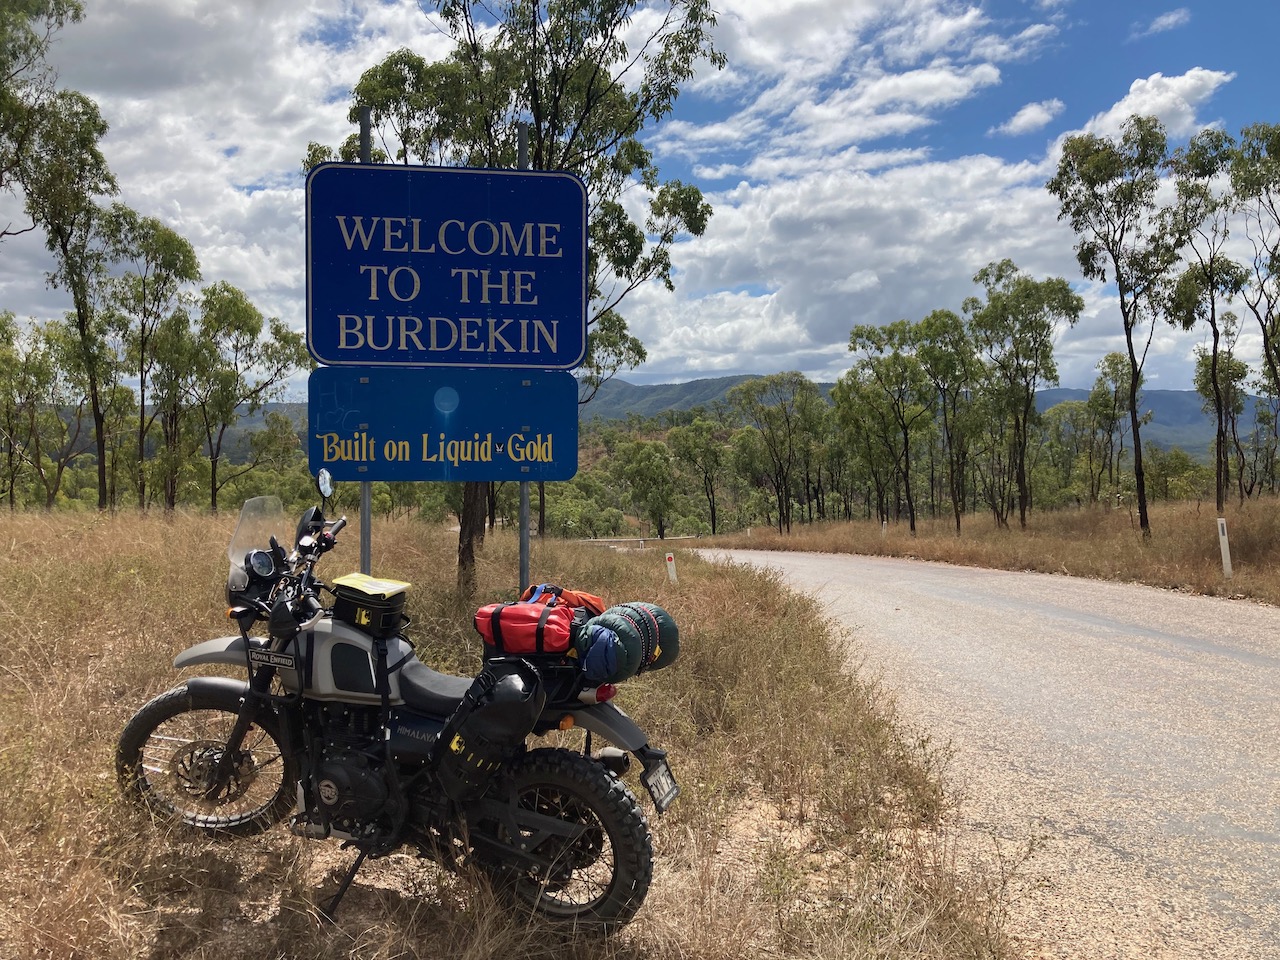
[{"x": 328, "y": 911}]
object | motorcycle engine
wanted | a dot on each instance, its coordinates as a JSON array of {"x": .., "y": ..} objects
[{"x": 350, "y": 789}]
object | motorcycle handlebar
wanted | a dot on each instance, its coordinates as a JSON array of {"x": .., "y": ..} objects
[
  {"x": 337, "y": 525},
  {"x": 313, "y": 621}
]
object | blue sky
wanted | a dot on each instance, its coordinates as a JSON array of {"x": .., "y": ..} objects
[{"x": 864, "y": 157}]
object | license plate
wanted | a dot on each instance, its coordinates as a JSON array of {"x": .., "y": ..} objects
[{"x": 661, "y": 784}]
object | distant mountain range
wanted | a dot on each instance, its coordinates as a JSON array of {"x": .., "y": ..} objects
[{"x": 1178, "y": 419}]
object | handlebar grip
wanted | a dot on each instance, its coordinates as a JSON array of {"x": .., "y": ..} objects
[{"x": 337, "y": 525}]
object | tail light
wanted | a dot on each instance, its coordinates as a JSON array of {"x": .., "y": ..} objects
[{"x": 600, "y": 694}]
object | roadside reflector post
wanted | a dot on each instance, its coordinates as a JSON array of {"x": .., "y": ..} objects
[
  {"x": 671, "y": 567},
  {"x": 1226, "y": 547}
]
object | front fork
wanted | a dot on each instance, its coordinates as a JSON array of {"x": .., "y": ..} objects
[{"x": 254, "y": 698}]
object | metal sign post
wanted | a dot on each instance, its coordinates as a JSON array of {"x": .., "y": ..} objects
[{"x": 522, "y": 162}]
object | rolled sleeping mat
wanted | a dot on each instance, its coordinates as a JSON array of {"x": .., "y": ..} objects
[
  {"x": 621, "y": 634},
  {"x": 668, "y": 636},
  {"x": 657, "y": 631}
]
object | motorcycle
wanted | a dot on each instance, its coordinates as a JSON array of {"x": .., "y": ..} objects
[{"x": 342, "y": 730}]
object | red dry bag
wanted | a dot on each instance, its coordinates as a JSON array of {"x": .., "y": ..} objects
[{"x": 525, "y": 627}]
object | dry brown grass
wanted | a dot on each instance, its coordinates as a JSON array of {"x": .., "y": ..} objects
[
  {"x": 808, "y": 826},
  {"x": 1182, "y": 553}
]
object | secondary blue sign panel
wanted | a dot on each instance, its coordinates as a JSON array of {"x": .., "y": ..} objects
[
  {"x": 454, "y": 267},
  {"x": 403, "y": 423}
]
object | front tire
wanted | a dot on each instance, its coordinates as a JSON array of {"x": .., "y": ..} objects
[
  {"x": 167, "y": 752},
  {"x": 594, "y": 881}
]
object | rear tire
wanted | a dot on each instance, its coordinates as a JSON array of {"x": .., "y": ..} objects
[
  {"x": 167, "y": 752},
  {"x": 596, "y": 881}
]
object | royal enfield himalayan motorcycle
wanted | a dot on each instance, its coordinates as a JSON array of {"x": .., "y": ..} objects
[{"x": 344, "y": 732}]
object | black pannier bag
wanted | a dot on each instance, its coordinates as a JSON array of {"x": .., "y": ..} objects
[{"x": 489, "y": 727}]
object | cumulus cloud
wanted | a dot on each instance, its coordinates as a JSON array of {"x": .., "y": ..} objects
[
  {"x": 824, "y": 150},
  {"x": 1175, "y": 100},
  {"x": 1032, "y": 117}
]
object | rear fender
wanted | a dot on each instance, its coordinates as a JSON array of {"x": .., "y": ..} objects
[{"x": 608, "y": 721}]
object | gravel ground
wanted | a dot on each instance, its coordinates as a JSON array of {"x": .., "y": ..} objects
[{"x": 1116, "y": 748}]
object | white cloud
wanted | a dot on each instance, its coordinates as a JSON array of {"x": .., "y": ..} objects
[
  {"x": 1175, "y": 100},
  {"x": 1161, "y": 24},
  {"x": 837, "y": 203},
  {"x": 1021, "y": 46},
  {"x": 1032, "y": 117}
]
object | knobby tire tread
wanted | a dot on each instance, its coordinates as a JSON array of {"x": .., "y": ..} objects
[
  {"x": 173, "y": 703},
  {"x": 624, "y": 821}
]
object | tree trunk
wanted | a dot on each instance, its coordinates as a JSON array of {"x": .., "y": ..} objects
[
  {"x": 470, "y": 535},
  {"x": 1139, "y": 475}
]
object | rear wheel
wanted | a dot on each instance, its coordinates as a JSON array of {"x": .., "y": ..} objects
[
  {"x": 169, "y": 752},
  {"x": 594, "y": 858}
]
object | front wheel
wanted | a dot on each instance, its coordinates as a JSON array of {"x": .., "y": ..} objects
[
  {"x": 588, "y": 854},
  {"x": 168, "y": 756}
]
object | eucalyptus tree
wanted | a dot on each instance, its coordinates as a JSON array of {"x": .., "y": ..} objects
[
  {"x": 1108, "y": 401},
  {"x": 27, "y": 83},
  {"x": 647, "y": 467},
  {"x": 751, "y": 475},
  {"x": 1107, "y": 192},
  {"x": 993, "y": 461},
  {"x": 1266, "y": 428},
  {"x": 886, "y": 357},
  {"x": 1255, "y": 182},
  {"x": 586, "y": 77},
  {"x": 1013, "y": 330},
  {"x": 158, "y": 264},
  {"x": 946, "y": 355},
  {"x": 1220, "y": 378},
  {"x": 702, "y": 445},
  {"x": 779, "y": 407},
  {"x": 1071, "y": 431},
  {"x": 1205, "y": 204},
  {"x": 13, "y": 433},
  {"x": 62, "y": 176},
  {"x": 866, "y": 427},
  {"x": 52, "y": 405},
  {"x": 241, "y": 362}
]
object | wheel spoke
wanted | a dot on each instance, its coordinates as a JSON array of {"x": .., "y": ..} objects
[{"x": 176, "y": 765}]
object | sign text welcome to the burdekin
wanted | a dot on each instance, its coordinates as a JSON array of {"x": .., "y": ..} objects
[{"x": 426, "y": 266}]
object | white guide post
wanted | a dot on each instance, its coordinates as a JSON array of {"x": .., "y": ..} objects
[{"x": 1226, "y": 547}]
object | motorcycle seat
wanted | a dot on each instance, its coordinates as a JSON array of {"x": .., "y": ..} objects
[{"x": 429, "y": 691}]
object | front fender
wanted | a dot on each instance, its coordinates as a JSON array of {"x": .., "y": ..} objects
[
  {"x": 216, "y": 693},
  {"x": 220, "y": 650}
]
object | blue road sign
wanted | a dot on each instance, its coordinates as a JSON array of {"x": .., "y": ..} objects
[
  {"x": 404, "y": 423},
  {"x": 452, "y": 267}
]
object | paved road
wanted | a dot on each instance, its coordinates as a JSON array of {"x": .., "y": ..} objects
[{"x": 1130, "y": 736}]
